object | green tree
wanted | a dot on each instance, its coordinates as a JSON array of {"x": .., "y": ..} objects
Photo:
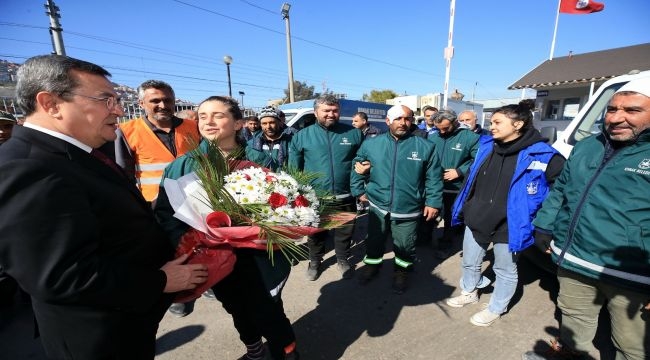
[
  {"x": 301, "y": 91},
  {"x": 379, "y": 96}
]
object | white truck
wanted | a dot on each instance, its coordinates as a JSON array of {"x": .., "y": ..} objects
[
  {"x": 300, "y": 114},
  {"x": 590, "y": 118}
]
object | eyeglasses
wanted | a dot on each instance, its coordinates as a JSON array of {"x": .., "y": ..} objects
[{"x": 110, "y": 101}]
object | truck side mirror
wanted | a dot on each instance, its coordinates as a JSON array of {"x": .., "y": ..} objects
[{"x": 549, "y": 132}]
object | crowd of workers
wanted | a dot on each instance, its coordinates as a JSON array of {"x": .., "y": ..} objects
[{"x": 100, "y": 261}]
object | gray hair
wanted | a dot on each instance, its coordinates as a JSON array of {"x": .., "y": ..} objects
[
  {"x": 50, "y": 73},
  {"x": 154, "y": 84},
  {"x": 469, "y": 112},
  {"x": 327, "y": 99},
  {"x": 445, "y": 114}
]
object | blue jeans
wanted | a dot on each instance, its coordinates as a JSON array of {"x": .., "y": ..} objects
[{"x": 505, "y": 268}]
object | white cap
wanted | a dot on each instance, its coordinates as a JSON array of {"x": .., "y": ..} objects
[
  {"x": 397, "y": 111},
  {"x": 641, "y": 86}
]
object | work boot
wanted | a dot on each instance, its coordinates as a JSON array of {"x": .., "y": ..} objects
[
  {"x": 345, "y": 268},
  {"x": 465, "y": 298},
  {"x": 368, "y": 272},
  {"x": 313, "y": 270},
  {"x": 400, "y": 282}
]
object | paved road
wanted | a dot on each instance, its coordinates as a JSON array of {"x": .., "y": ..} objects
[{"x": 339, "y": 319}]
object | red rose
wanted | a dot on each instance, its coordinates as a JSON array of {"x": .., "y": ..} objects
[
  {"x": 276, "y": 200},
  {"x": 301, "y": 201},
  {"x": 247, "y": 177}
]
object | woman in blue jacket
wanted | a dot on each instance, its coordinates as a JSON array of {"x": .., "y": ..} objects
[{"x": 507, "y": 183}]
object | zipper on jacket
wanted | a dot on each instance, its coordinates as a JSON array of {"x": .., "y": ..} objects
[
  {"x": 442, "y": 156},
  {"x": 329, "y": 152},
  {"x": 392, "y": 175},
  {"x": 585, "y": 193}
]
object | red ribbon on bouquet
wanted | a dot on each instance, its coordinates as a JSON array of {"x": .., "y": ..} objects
[
  {"x": 215, "y": 249},
  {"x": 220, "y": 231},
  {"x": 219, "y": 259}
]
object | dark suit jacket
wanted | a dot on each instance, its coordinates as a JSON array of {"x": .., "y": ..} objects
[{"x": 81, "y": 240}]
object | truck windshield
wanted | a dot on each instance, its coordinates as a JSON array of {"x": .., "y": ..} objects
[
  {"x": 594, "y": 117},
  {"x": 288, "y": 116}
]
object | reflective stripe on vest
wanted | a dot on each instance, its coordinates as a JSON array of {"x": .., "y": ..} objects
[
  {"x": 152, "y": 167},
  {"x": 152, "y": 156}
]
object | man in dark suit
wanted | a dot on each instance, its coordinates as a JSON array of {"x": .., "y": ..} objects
[{"x": 76, "y": 234}]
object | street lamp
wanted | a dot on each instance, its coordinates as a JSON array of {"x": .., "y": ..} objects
[
  {"x": 285, "y": 15},
  {"x": 241, "y": 93},
  {"x": 228, "y": 60}
]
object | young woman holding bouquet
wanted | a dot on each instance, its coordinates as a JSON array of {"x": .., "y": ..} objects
[{"x": 251, "y": 293}]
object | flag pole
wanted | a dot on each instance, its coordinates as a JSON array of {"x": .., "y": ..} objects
[
  {"x": 557, "y": 19},
  {"x": 449, "y": 51}
]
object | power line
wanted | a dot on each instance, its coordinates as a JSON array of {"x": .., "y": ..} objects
[{"x": 305, "y": 40}]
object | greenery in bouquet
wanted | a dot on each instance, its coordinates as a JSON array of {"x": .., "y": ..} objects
[{"x": 283, "y": 205}]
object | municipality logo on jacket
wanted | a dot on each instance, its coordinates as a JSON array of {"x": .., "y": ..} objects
[
  {"x": 642, "y": 168},
  {"x": 414, "y": 156}
]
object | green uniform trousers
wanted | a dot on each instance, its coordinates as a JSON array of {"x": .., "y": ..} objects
[{"x": 404, "y": 233}]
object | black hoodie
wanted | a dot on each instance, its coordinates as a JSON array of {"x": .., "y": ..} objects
[{"x": 486, "y": 207}]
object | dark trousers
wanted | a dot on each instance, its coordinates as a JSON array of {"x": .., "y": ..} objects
[
  {"x": 342, "y": 237},
  {"x": 254, "y": 312},
  {"x": 8, "y": 289},
  {"x": 450, "y": 233}
]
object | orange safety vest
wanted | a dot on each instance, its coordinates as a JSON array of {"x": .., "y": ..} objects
[{"x": 152, "y": 156}]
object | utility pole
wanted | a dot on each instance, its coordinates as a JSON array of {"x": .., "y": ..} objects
[
  {"x": 285, "y": 16},
  {"x": 56, "y": 30}
]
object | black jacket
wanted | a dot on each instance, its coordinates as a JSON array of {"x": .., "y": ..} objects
[{"x": 82, "y": 241}]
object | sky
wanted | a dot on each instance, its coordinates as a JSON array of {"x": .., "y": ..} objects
[{"x": 349, "y": 47}]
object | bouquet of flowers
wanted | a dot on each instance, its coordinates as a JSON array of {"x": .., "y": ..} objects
[
  {"x": 237, "y": 203},
  {"x": 275, "y": 199}
]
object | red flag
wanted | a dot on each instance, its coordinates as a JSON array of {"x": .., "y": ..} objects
[{"x": 580, "y": 6}]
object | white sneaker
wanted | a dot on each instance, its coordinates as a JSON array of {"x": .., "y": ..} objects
[
  {"x": 463, "y": 299},
  {"x": 484, "y": 318}
]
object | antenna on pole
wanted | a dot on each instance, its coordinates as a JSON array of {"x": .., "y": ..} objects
[{"x": 56, "y": 30}]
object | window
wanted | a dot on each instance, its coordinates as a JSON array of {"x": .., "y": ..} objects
[
  {"x": 571, "y": 107},
  {"x": 594, "y": 117},
  {"x": 552, "y": 110}
]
